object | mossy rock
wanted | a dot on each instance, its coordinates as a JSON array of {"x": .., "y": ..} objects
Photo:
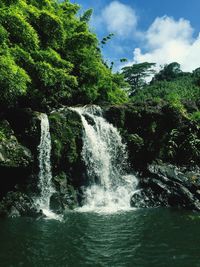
[
  {"x": 66, "y": 134},
  {"x": 12, "y": 153},
  {"x": 149, "y": 131}
]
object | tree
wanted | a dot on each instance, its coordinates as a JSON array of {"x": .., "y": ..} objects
[
  {"x": 107, "y": 38},
  {"x": 13, "y": 82},
  {"x": 86, "y": 16},
  {"x": 49, "y": 57},
  {"x": 196, "y": 76},
  {"x": 136, "y": 75},
  {"x": 169, "y": 72}
]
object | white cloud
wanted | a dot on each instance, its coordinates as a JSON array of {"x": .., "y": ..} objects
[
  {"x": 168, "y": 40},
  {"x": 118, "y": 18}
]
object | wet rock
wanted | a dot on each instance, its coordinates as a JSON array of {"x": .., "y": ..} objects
[
  {"x": 18, "y": 204},
  {"x": 168, "y": 185},
  {"x": 12, "y": 153},
  {"x": 66, "y": 196},
  {"x": 15, "y": 160},
  {"x": 155, "y": 131},
  {"x": 66, "y": 134}
]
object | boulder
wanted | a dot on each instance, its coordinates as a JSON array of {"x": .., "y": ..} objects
[
  {"x": 170, "y": 186},
  {"x": 66, "y": 135},
  {"x": 15, "y": 159},
  {"x": 18, "y": 204}
]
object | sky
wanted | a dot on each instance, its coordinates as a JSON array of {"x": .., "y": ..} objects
[{"x": 159, "y": 31}]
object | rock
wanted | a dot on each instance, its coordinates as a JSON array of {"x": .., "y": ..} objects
[
  {"x": 66, "y": 196},
  {"x": 66, "y": 134},
  {"x": 13, "y": 213},
  {"x": 18, "y": 204},
  {"x": 15, "y": 160},
  {"x": 168, "y": 185},
  {"x": 19, "y": 140},
  {"x": 156, "y": 131},
  {"x": 12, "y": 153}
]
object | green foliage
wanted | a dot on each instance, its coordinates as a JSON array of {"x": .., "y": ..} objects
[
  {"x": 196, "y": 116},
  {"x": 136, "y": 75},
  {"x": 13, "y": 81},
  {"x": 5, "y": 131},
  {"x": 51, "y": 79},
  {"x": 86, "y": 16},
  {"x": 172, "y": 143},
  {"x": 175, "y": 101},
  {"x": 20, "y": 31},
  {"x": 66, "y": 129},
  {"x": 177, "y": 88},
  {"x": 169, "y": 72},
  {"x": 2, "y": 134},
  {"x": 50, "y": 57},
  {"x": 192, "y": 144},
  {"x": 22, "y": 58},
  {"x": 9, "y": 2},
  {"x": 107, "y": 38},
  {"x": 196, "y": 76},
  {"x": 50, "y": 29},
  {"x": 3, "y": 35}
]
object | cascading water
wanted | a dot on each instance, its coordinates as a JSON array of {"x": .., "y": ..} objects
[
  {"x": 45, "y": 175},
  {"x": 105, "y": 157}
]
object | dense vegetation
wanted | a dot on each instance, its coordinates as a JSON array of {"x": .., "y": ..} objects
[
  {"x": 48, "y": 56},
  {"x": 180, "y": 89}
]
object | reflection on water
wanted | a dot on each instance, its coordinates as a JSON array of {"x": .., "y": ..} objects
[{"x": 154, "y": 237}]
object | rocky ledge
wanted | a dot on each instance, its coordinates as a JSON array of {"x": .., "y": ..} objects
[
  {"x": 153, "y": 133},
  {"x": 168, "y": 186}
]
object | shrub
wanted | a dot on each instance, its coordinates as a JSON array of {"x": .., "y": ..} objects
[
  {"x": 20, "y": 31},
  {"x": 13, "y": 81}
]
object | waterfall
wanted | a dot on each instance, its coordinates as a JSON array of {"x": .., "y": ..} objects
[
  {"x": 45, "y": 175},
  {"x": 105, "y": 157}
]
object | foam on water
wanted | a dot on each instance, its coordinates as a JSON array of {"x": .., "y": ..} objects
[{"x": 105, "y": 157}]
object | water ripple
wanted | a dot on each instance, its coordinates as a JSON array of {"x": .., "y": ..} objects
[{"x": 157, "y": 237}]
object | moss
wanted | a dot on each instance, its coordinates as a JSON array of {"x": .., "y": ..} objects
[
  {"x": 67, "y": 193},
  {"x": 12, "y": 154},
  {"x": 136, "y": 140},
  {"x": 195, "y": 116},
  {"x": 66, "y": 131},
  {"x": 157, "y": 131}
]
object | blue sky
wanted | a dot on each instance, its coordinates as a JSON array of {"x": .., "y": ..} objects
[{"x": 159, "y": 31}]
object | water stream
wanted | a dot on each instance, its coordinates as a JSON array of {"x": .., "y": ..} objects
[
  {"x": 45, "y": 176},
  {"x": 105, "y": 157}
]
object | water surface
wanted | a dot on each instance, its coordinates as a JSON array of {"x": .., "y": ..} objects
[{"x": 151, "y": 237}]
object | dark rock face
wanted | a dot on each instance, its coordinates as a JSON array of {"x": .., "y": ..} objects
[
  {"x": 15, "y": 159},
  {"x": 170, "y": 186},
  {"x": 18, "y": 204},
  {"x": 24, "y": 127},
  {"x": 155, "y": 131},
  {"x": 13, "y": 154},
  {"x": 66, "y": 195},
  {"x": 19, "y": 140},
  {"x": 68, "y": 168}
]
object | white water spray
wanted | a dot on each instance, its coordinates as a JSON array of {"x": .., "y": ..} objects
[
  {"x": 105, "y": 157},
  {"x": 45, "y": 175}
]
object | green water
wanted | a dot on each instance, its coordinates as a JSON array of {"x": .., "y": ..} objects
[{"x": 153, "y": 237}]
